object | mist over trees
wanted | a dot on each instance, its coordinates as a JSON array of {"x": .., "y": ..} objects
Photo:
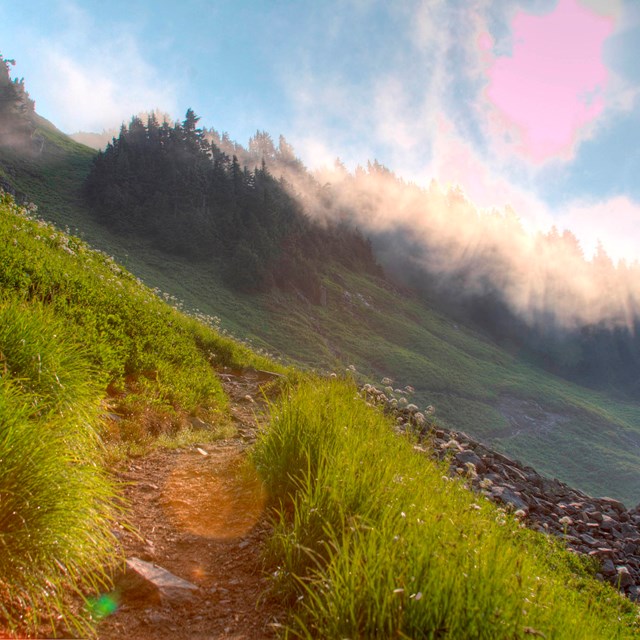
[
  {"x": 534, "y": 293},
  {"x": 175, "y": 186},
  {"x": 17, "y": 109}
]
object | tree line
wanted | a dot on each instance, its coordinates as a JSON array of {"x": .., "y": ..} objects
[{"x": 172, "y": 184}]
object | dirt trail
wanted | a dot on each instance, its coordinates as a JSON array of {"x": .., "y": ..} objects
[{"x": 200, "y": 514}]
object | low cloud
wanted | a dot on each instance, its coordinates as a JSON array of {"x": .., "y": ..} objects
[
  {"x": 613, "y": 223},
  {"x": 545, "y": 278}
]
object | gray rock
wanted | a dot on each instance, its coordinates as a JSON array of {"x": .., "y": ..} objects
[
  {"x": 612, "y": 503},
  {"x": 511, "y": 498},
  {"x": 463, "y": 457},
  {"x": 592, "y": 542},
  {"x": 149, "y": 582},
  {"x": 608, "y": 568},
  {"x": 607, "y": 523},
  {"x": 198, "y": 424},
  {"x": 634, "y": 593},
  {"x": 624, "y": 578}
]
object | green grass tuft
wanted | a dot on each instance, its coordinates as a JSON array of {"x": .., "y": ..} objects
[
  {"x": 56, "y": 502},
  {"x": 373, "y": 541}
]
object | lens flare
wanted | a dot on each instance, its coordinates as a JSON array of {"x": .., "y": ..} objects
[
  {"x": 103, "y": 606},
  {"x": 220, "y": 496}
]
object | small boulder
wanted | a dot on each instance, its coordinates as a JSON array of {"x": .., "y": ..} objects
[
  {"x": 464, "y": 457},
  {"x": 624, "y": 578},
  {"x": 198, "y": 424},
  {"x": 614, "y": 504},
  {"x": 608, "y": 568},
  {"x": 587, "y": 539},
  {"x": 148, "y": 582},
  {"x": 510, "y": 498}
]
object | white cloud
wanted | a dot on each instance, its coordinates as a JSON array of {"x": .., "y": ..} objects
[
  {"x": 105, "y": 88},
  {"x": 84, "y": 80}
]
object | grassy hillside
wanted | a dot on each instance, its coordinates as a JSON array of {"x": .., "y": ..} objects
[
  {"x": 80, "y": 335},
  {"x": 580, "y": 436},
  {"x": 374, "y": 541},
  {"x": 585, "y": 438}
]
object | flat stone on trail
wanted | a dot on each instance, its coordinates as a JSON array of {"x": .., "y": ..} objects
[
  {"x": 147, "y": 581},
  {"x": 198, "y": 423}
]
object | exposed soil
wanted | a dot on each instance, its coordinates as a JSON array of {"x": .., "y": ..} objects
[
  {"x": 199, "y": 513},
  {"x": 527, "y": 416}
]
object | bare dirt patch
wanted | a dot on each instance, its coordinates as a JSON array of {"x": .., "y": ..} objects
[{"x": 528, "y": 416}]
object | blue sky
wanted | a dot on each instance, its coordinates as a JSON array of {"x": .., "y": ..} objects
[{"x": 532, "y": 104}]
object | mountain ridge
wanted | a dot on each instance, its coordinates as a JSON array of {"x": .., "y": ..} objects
[{"x": 381, "y": 328}]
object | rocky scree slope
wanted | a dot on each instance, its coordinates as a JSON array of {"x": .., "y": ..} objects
[{"x": 600, "y": 528}]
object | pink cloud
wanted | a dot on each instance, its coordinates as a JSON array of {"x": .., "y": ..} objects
[
  {"x": 457, "y": 164},
  {"x": 615, "y": 223},
  {"x": 551, "y": 88}
]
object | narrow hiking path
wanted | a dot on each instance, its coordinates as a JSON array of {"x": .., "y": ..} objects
[{"x": 199, "y": 513}]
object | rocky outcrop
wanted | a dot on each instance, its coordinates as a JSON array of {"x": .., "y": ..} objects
[{"x": 602, "y": 528}]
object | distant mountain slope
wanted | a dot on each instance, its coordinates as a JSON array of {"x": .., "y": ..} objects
[
  {"x": 95, "y": 141},
  {"x": 590, "y": 439}
]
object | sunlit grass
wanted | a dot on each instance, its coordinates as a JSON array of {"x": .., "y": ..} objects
[
  {"x": 373, "y": 541},
  {"x": 87, "y": 355},
  {"x": 56, "y": 502}
]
